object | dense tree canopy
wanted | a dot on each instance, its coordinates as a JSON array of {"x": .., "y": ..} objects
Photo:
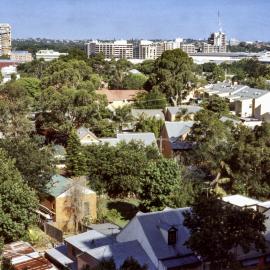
[
  {"x": 218, "y": 230},
  {"x": 25, "y": 150},
  {"x": 117, "y": 170},
  {"x": 17, "y": 201},
  {"x": 172, "y": 74}
]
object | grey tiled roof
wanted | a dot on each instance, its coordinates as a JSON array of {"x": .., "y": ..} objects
[
  {"x": 121, "y": 251},
  {"x": 83, "y": 131},
  {"x": 177, "y": 129},
  {"x": 157, "y": 113},
  {"x": 150, "y": 224},
  {"x": 148, "y": 138}
]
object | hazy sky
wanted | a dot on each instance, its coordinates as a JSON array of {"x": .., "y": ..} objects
[{"x": 108, "y": 19}]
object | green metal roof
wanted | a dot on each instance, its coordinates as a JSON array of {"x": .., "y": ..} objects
[{"x": 58, "y": 185}]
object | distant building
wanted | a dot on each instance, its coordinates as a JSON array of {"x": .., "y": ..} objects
[
  {"x": 188, "y": 48},
  {"x": 118, "y": 49},
  {"x": 49, "y": 55},
  {"x": 245, "y": 101},
  {"x": 5, "y": 39},
  {"x": 218, "y": 42},
  {"x": 21, "y": 56},
  {"x": 8, "y": 72}
]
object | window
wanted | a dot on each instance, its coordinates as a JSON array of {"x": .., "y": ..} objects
[
  {"x": 86, "y": 208},
  {"x": 172, "y": 236}
]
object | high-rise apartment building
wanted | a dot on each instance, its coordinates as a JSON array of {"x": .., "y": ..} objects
[
  {"x": 218, "y": 41},
  {"x": 118, "y": 49},
  {"x": 5, "y": 39}
]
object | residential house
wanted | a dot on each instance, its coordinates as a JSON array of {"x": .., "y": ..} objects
[
  {"x": 147, "y": 138},
  {"x": 155, "y": 239},
  {"x": 60, "y": 198},
  {"x": 86, "y": 136},
  {"x": 190, "y": 110},
  {"x": 119, "y": 98},
  {"x": 173, "y": 137},
  {"x": 21, "y": 255},
  {"x": 148, "y": 113},
  {"x": 91, "y": 247},
  {"x": 245, "y": 101}
]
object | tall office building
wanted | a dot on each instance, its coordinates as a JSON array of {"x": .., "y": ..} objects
[
  {"x": 118, "y": 49},
  {"x": 5, "y": 39},
  {"x": 218, "y": 40}
]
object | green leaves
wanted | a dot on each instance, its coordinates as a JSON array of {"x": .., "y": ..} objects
[
  {"x": 218, "y": 228},
  {"x": 17, "y": 202}
]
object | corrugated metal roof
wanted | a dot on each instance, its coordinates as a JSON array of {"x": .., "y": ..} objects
[
  {"x": 177, "y": 129},
  {"x": 58, "y": 185},
  {"x": 150, "y": 225}
]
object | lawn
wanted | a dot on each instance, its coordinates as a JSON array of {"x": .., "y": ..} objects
[{"x": 118, "y": 211}]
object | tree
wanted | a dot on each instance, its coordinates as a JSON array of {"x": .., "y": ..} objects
[
  {"x": 160, "y": 180},
  {"x": 212, "y": 152},
  {"x": 15, "y": 106},
  {"x": 32, "y": 87},
  {"x": 118, "y": 73},
  {"x": 134, "y": 81},
  {"x": 17, "y": 202},
  {"x": 149, "y": 124},
  {"x": 131, "y": 264},
  {"x": 39, "y": 159},
  {"x": 219, "y": 229},
  {"x": 118, "y": 170},
  {"x": 70, "y": 108},
  {"x": 217, "y": 105},
  {"x": 183, "y": 115},
  {"x": 217, "y": 75},
  {"x": 122, "y": 117},
  {"x": 151, "y": 100},
  {"x": 75, "y": 157},
  {"x": 172, "y": 75}
]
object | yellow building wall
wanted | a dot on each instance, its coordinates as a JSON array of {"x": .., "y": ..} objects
[{"x": 64, "y": 214}]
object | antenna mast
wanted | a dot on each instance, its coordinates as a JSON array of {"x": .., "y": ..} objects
[{"x": 219, "y": 22}]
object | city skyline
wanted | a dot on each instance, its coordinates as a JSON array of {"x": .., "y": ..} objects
[{"x": 142, "y": 19}]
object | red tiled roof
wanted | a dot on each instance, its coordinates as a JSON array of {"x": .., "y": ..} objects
[{"x": 119, "y": 95}]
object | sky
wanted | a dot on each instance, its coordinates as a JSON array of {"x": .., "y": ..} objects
[{"x": 144, "y": 19}]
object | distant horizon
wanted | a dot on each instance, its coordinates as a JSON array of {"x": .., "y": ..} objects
[{"x": 244, "y": 20}]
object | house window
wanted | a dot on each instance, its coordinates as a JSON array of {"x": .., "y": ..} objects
[
  {"x": 86, "y": 208},
  {"x": 172, "y": 236}
]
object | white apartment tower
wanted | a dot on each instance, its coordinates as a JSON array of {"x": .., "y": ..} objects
[
  {"x": 5, "y": 39},
  {"x": 118, "y": 49}
]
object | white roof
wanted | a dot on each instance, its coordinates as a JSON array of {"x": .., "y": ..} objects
[{"x": 240, "y": 200}]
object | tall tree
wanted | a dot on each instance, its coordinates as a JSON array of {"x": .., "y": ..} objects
[
  {"x": 17, "y": 202},
  {"x": 172, "y": 75},
  {"x": 218, "y": 230},
  {"x": 39, "y": 160},
  {"x": 75, "y": 157},
  {"x": 159, "y": 182},
  {"x": 151, "y": 100}
]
